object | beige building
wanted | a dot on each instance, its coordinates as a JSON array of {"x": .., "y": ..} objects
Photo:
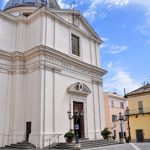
[{"x": 114, "y": 104}]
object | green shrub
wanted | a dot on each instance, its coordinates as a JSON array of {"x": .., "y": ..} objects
[
  {"x": 105, "y": 133},
  {"x": 69, "y": 135}
]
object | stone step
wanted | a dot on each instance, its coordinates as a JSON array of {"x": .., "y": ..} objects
[
  {"x": 86, "y": 144},
  {"x": 21, "y": 145},
  {"x": 25, "y": 146},
  {"x": 89, "y": 142},
  {"x": 83, "y": 146}
]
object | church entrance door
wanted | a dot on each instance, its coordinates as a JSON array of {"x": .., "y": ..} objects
[{"x": 80, "y": 121}]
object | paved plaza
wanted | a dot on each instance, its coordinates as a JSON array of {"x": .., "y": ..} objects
[{"x": 131, "y": 146}]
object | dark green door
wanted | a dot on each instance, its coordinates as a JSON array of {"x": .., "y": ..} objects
[{"x": 139, "y": 135}]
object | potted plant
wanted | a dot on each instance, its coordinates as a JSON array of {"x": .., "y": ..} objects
[
  {"x": 69, "y": 136},
  {"x": 127, "y": 139},
  {"x": 113, "y": 137},
  {"x": 105, "y": 133}
]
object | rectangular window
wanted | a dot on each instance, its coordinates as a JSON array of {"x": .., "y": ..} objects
[
  {"x": 75, "y": 45},
  {"x": 114, "y": 118},
  {"x": 140, "y": 105},
  {"x": 112, "y": 103},
  {"x": 122, "y": 105}
]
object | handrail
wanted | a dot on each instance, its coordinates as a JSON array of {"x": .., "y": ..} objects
[{"x": 52, "y": 139}]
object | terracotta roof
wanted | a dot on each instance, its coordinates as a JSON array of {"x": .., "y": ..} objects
[{"x": 143, "y": 89}]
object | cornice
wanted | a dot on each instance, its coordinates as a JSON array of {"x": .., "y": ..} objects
[
  {"x": 8, "y": 16},
  {"x": 64, "y": 11},
  {"x": 50, "y": 56},
  {"x": 117, "y": 97},
  {"x": 66, "y": 58}
]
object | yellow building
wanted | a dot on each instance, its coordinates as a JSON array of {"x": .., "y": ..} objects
[
  {"x": 139, "y": 113},
  {"x": 115, "y": 104}
]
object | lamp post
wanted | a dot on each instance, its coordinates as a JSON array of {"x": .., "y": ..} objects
[
  {"x": 129, "y": 133},
  {"x": 76, "y": 116},
  {"x": 121, "y": 119}
]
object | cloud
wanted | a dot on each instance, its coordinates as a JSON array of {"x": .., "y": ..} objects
[
  {"x": 94, "y": 5},
  {"x": 144, "y": 3},
  {"x": 117, "y": 2},
  {"x": 91, "y": 12},
  {"x": 104, "y": 39},
  {"x": 63, "y": 4},
  {"x": 110, "y": 64},
  {"x": 111, "y": 48},
  {"x": 120, "y": 80},
  {"x": 115, "y": 49},
  {"x": 144, "y": 28}
]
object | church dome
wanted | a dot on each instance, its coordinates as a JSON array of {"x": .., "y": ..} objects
[{"x": 33, "y": 3}]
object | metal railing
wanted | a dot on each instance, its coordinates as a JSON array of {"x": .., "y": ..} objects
[
  {"x": 139, "y": 111},
  {"x": 52, "y": 139}
]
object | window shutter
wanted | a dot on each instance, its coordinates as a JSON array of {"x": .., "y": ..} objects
[{"x": 75, "y": 45}]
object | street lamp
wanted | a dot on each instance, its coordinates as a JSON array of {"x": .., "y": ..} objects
[
  {"x": 69, "y": 115},
  {"x": 121, "y": 119},
  {"x": 127, "y": 114},
  {"x": 76, "y": 116}
]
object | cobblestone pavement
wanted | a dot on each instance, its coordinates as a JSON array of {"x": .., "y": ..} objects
[{"x": 131, "y": 146}]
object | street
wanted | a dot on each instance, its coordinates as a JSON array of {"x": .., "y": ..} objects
[{"x": 131, "y": 146}]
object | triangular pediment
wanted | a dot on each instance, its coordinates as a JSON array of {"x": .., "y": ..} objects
[
  {"x": 85, "y": 26},
  {"x": 75, "y": 18}
]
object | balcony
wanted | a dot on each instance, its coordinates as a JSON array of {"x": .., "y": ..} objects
[{"x": 138, "y": 111}]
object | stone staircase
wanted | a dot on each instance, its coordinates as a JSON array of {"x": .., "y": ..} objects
[
  {"x": 21, "y": 145},
  {"x": 85, "y": 144}
]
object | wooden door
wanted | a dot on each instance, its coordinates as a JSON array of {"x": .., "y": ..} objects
[{"x": 80, "y": 121}]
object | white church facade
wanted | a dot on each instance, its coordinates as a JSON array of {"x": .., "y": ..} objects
[{"x": 49, "y": 65}]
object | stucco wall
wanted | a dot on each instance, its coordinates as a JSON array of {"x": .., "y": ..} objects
[
  {"x": 139, "y": 121},
  {"x": 109, "y": 111},
  {"x": 23, "y": 33}
]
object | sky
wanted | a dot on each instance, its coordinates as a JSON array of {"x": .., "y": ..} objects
[{"x": 124, "y": 27}]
